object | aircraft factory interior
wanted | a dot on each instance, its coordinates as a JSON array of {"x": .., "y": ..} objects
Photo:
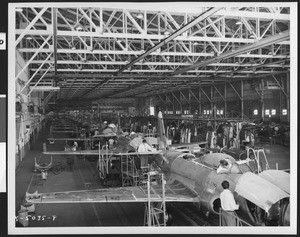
[{"x": 158, "y": 115}]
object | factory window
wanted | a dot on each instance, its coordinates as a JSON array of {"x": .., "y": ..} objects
[
  {"x": 186, "y": 111},
  {"x": 273, "y": 111},
  {"x": 220, "y": 111},
  {"x": 178, "y": 112},
  {"x": 151, "y": 110},
  {"x": 170, "y": 112},
  {"x": 267, "y": 112},
  {"x": 255, "y": 112},
  {"x": 206, "y": 111},
  {"x": 284, "y": 112}
]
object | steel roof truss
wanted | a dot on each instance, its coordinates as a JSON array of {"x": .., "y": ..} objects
[
  {"x": 215, "y": 28},
  {"x": 182, "y": 95},
  {"x": 249, "y": 27},
  {"x": 38, "y": 81},
  {"x": 31, "y": 78},
  {"x": 192, "y": 93},
  {"x": 218, "y": 92},
  {"x": 209, "y": 99},
  {"x": 31, "y": 24},
  {"x": 127, "y": 13},
  {"x": 280, "y": 86},
  {"x": 238, "y": 94},
  {"x": 172, "y": 93},
  {"x": 34, "y": 55}
]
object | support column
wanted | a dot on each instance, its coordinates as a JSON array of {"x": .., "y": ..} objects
[
  {"x": 242, "y": 98},
  {"x": 280, "y": 105},
  {"x": 262, "y": 101},
  {"x": 211, "y": 95},
  {"x": 288, "y": 95},
  {"x": 200, "y": 107},
  {"x": 225, "y": 100},
  {"x": 190, "y": 106}
]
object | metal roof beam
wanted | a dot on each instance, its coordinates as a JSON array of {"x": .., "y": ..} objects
[
  {"x": 262, "y": 43},
  {"x": 203, "y": 16}
]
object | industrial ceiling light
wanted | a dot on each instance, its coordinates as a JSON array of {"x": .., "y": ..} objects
[
  {"x": 167, "y": 32},
  {"x": 252, "y": 36},
  {"x": 19, "y": 9},
  {"x": 140, "y": 16},
  {"x": 79, "y": 28},
  {"x": 239, "y": 22},
  {"x": 29, "y": 37},
  {"x": 195, "y": 43}
]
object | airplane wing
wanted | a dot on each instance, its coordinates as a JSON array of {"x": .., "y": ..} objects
[
  {"x": 81, "y": 152},
  {"x": 173, "y": 193},
  {"x": 96, "y": 152},
  {"x": 68, "y": 139}
]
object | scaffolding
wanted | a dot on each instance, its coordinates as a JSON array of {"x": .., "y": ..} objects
[
  {"x": 155, "y": 211},
  {"x": 130, "y": 174},
  {"x": 256, "y": 152},
  {"x": 103, "y": 161}
]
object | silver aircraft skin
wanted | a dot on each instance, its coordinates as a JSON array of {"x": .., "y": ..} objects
[{"x": 263, "y": 198}]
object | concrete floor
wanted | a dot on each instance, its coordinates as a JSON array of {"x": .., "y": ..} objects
[{"x": 87, "y": 214}]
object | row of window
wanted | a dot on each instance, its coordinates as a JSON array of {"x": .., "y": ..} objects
[
  {"x": 270, "y": 112},
  {"x": 220, "y": 112}
]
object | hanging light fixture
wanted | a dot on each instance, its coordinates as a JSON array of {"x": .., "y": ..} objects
[
  {"x": 239, "y": 22},
  {"x": 79, "y": 27},
  {"x": 167, "y": 33},
  {"x": 140, "y": 16}
]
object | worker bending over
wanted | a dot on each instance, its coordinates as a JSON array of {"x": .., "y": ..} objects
[{"x": 144, "y": 147}]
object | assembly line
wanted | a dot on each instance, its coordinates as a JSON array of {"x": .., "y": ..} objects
[
  {"x": 163, "y": 115},
  {"x": 190, "y": 176}
]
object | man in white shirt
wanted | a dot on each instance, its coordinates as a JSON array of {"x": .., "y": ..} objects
[
  {"x": 228, "y": 206},
  {"x": 144, "y": 147}
]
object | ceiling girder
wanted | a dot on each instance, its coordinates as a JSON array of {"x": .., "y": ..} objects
[
  {"x": 121, "y": 36},
  {"x": 262, "y": 43},
  {"x": 172, "y": 36}
]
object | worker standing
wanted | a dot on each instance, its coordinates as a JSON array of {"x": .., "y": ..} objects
[
  {"x": 144, "y": 147},
  {"x": 228, "y": 206},
  {"x": 70, "y": 162}
]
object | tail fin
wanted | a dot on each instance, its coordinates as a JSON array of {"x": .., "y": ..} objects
[{"x": 161, "y": 139}]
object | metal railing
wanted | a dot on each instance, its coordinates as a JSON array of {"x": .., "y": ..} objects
[{"x": 238, "y": 221}]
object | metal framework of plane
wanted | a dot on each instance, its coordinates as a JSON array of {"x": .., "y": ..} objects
[{"x": 192, "y": 179}]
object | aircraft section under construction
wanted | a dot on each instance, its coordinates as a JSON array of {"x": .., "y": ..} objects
[{"x": 126, "y": 112}]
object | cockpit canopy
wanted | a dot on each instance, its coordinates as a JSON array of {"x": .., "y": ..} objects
[{"x": 213, "y": 160}]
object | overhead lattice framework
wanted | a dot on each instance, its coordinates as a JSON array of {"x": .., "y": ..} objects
[{"x": 128, "y": 50}]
